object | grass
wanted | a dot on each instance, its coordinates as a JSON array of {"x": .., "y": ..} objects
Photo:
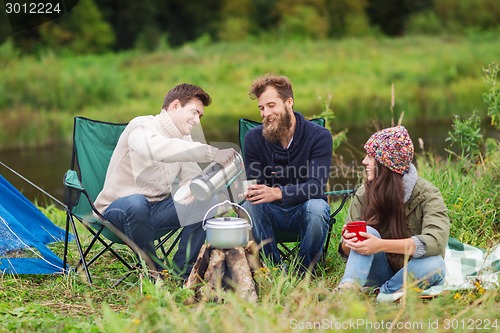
[
  {"x": 286, "y": 303},
  {"x": 434, "y": 78}
]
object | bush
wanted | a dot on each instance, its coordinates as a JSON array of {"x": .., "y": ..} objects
[
  {"x": 304, "y": 23},
  {"x": 81, "y": 31},
  {"x": 492, "y": 96},
  {"x": 426, "y": 23},
  {"x": 471, "y": 194},
  {"x": 234, "y": 29},
  {"x": 66, "y": 85}
]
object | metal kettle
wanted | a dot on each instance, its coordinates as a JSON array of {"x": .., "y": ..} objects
[{"x": 214, "y": 178}]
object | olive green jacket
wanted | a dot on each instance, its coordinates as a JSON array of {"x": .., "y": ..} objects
[{"x": 426, "y": 218}]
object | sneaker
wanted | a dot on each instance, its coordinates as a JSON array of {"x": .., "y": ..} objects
[
  {"x": 345, "y": 287},
  {"x": 283, "y": 267},
  {"x": 371, "y": 291},
  {"x": 389, "y": 298}
]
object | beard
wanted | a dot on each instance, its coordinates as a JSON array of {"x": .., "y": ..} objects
[{"x": 275, "y": 132}]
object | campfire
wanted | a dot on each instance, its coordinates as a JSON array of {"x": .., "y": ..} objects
[{"x": 225, "y": 269}]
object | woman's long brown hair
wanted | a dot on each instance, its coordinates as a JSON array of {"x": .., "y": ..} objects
[{"x": 385, "y": 206}]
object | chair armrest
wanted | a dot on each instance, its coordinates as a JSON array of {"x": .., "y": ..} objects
[
  {"x": 345, "y": 195},
  {"x": 71, "y": 180}
]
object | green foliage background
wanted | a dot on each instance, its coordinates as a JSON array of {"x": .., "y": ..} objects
[
  {"x": 434, "y": 78},
  {"x": 97, "y": 26}
]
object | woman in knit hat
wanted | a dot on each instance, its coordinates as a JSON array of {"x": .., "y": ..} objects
[{"x": 407, "y": 222}]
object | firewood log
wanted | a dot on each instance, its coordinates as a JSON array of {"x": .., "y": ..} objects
[
  {"x": 214, "y": 274},
  {"x": 252, "y": 255},
  {"x": 197, "y": 273},
  {"x": 242, "y": 280},
  {"x": 199, "y": 268}
]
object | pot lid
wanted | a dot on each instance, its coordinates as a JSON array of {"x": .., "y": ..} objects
[{"x": 227, "y": 223}]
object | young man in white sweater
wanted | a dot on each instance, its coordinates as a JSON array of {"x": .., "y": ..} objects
[{"x": 152, "y": 153}]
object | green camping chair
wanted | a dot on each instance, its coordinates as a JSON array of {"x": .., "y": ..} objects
[
  {"x": 288, "y": 242},
  {"x": 93, "y": 144}
]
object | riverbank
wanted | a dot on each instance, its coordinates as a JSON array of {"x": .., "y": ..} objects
[{"x": 434, "y": 78}]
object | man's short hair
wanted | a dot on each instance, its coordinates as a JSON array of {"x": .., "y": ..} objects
[
  {"x": 281, "y": 83},
  {"x": 185, "y": 92}
]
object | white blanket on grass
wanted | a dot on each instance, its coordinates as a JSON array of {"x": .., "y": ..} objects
[{"x": 466, "y": 265}]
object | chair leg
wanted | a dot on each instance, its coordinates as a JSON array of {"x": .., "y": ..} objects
[
  {"x": 176, "y": 240},
  {"x": 169, "y": 235},
  {"x": 333, "y": 220},
  {"x": 285, "y": 251},
  {"x": 69, "y": 218},
  {"x": 66, "y": 242},
  {"x": 107, "y": 247},
  {"x": 328, "y": 237},
  {"x": 90, "y": 246},
  {"x": 124, "y": 277},
  {"x": 163, "y": 240}
]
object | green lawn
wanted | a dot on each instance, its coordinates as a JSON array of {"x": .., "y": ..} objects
[{"x": 286, "y": 303}]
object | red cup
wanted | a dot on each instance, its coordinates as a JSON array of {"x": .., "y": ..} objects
[{"x": 356, "y": 227}]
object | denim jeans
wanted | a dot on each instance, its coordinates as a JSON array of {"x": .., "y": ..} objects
[
  {"x": 143, "y": 222},
  {"x": 375, "y": 271},
  {"x": 309, "y": 219}
]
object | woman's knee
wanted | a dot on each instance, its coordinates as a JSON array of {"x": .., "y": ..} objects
[
  {"x": 372, "y": 231},
  {"x": 429, "y": 270},
  {"x": 433, "y": 264}
]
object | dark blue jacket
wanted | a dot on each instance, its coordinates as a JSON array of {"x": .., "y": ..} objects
[{"x": 301, "y": 171}]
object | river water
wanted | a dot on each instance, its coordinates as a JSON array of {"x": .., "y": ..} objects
[{"x": 45, "y": 167}]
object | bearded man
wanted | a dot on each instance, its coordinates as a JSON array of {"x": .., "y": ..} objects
[{"x": 290, "y": 158}]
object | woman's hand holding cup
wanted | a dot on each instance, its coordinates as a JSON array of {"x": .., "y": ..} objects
[{"x": 350, "y": 231}]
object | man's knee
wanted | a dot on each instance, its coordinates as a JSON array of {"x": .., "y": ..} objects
[
  {"x": 318, "y": 208},
  {"x": 317, "y": 216},
  {"x": 138, "y": 206}
]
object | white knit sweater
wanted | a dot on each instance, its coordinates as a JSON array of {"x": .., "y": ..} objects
[{"x": 150, "y": 155}]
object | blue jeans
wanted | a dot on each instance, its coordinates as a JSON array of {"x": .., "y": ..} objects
[
  {"x": 309, "y": 219},
  {"x": 143, "y": 222},
  {"x": 375, "y": 271}
]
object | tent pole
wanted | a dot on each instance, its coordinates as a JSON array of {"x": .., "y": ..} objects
[{"x": 34, "y": 185}]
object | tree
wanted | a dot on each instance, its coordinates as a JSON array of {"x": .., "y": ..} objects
[
  {"x": 82, "y": 30},
  {"x": 303, "y": 18},
  {"x": 131, "y": 19},
  {"x": 391, "y": 15}
]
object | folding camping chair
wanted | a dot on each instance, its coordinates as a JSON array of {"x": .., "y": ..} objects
[
  {"x": 93, "y": 144},
  {"x": 288, "y": 242}
]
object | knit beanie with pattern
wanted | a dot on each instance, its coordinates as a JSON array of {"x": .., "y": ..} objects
[{"x": 391, "y": 147}]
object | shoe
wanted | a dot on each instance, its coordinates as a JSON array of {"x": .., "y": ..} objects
[
  {"x": 346, "y": 287},
  {"x": 371, "y": 291},
  {"x": 389, "y": 298},
  {"x": 283, "y": 267}
]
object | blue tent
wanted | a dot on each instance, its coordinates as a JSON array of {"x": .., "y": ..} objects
[{"x": 24, "y": 228}]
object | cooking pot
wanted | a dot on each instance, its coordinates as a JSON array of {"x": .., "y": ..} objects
[{"x": 227, "y": 232}]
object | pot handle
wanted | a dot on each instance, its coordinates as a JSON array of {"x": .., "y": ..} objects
[{"x": 223, "y": 203}]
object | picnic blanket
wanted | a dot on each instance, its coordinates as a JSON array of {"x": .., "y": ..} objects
[{"x": 466, "y": 265}]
